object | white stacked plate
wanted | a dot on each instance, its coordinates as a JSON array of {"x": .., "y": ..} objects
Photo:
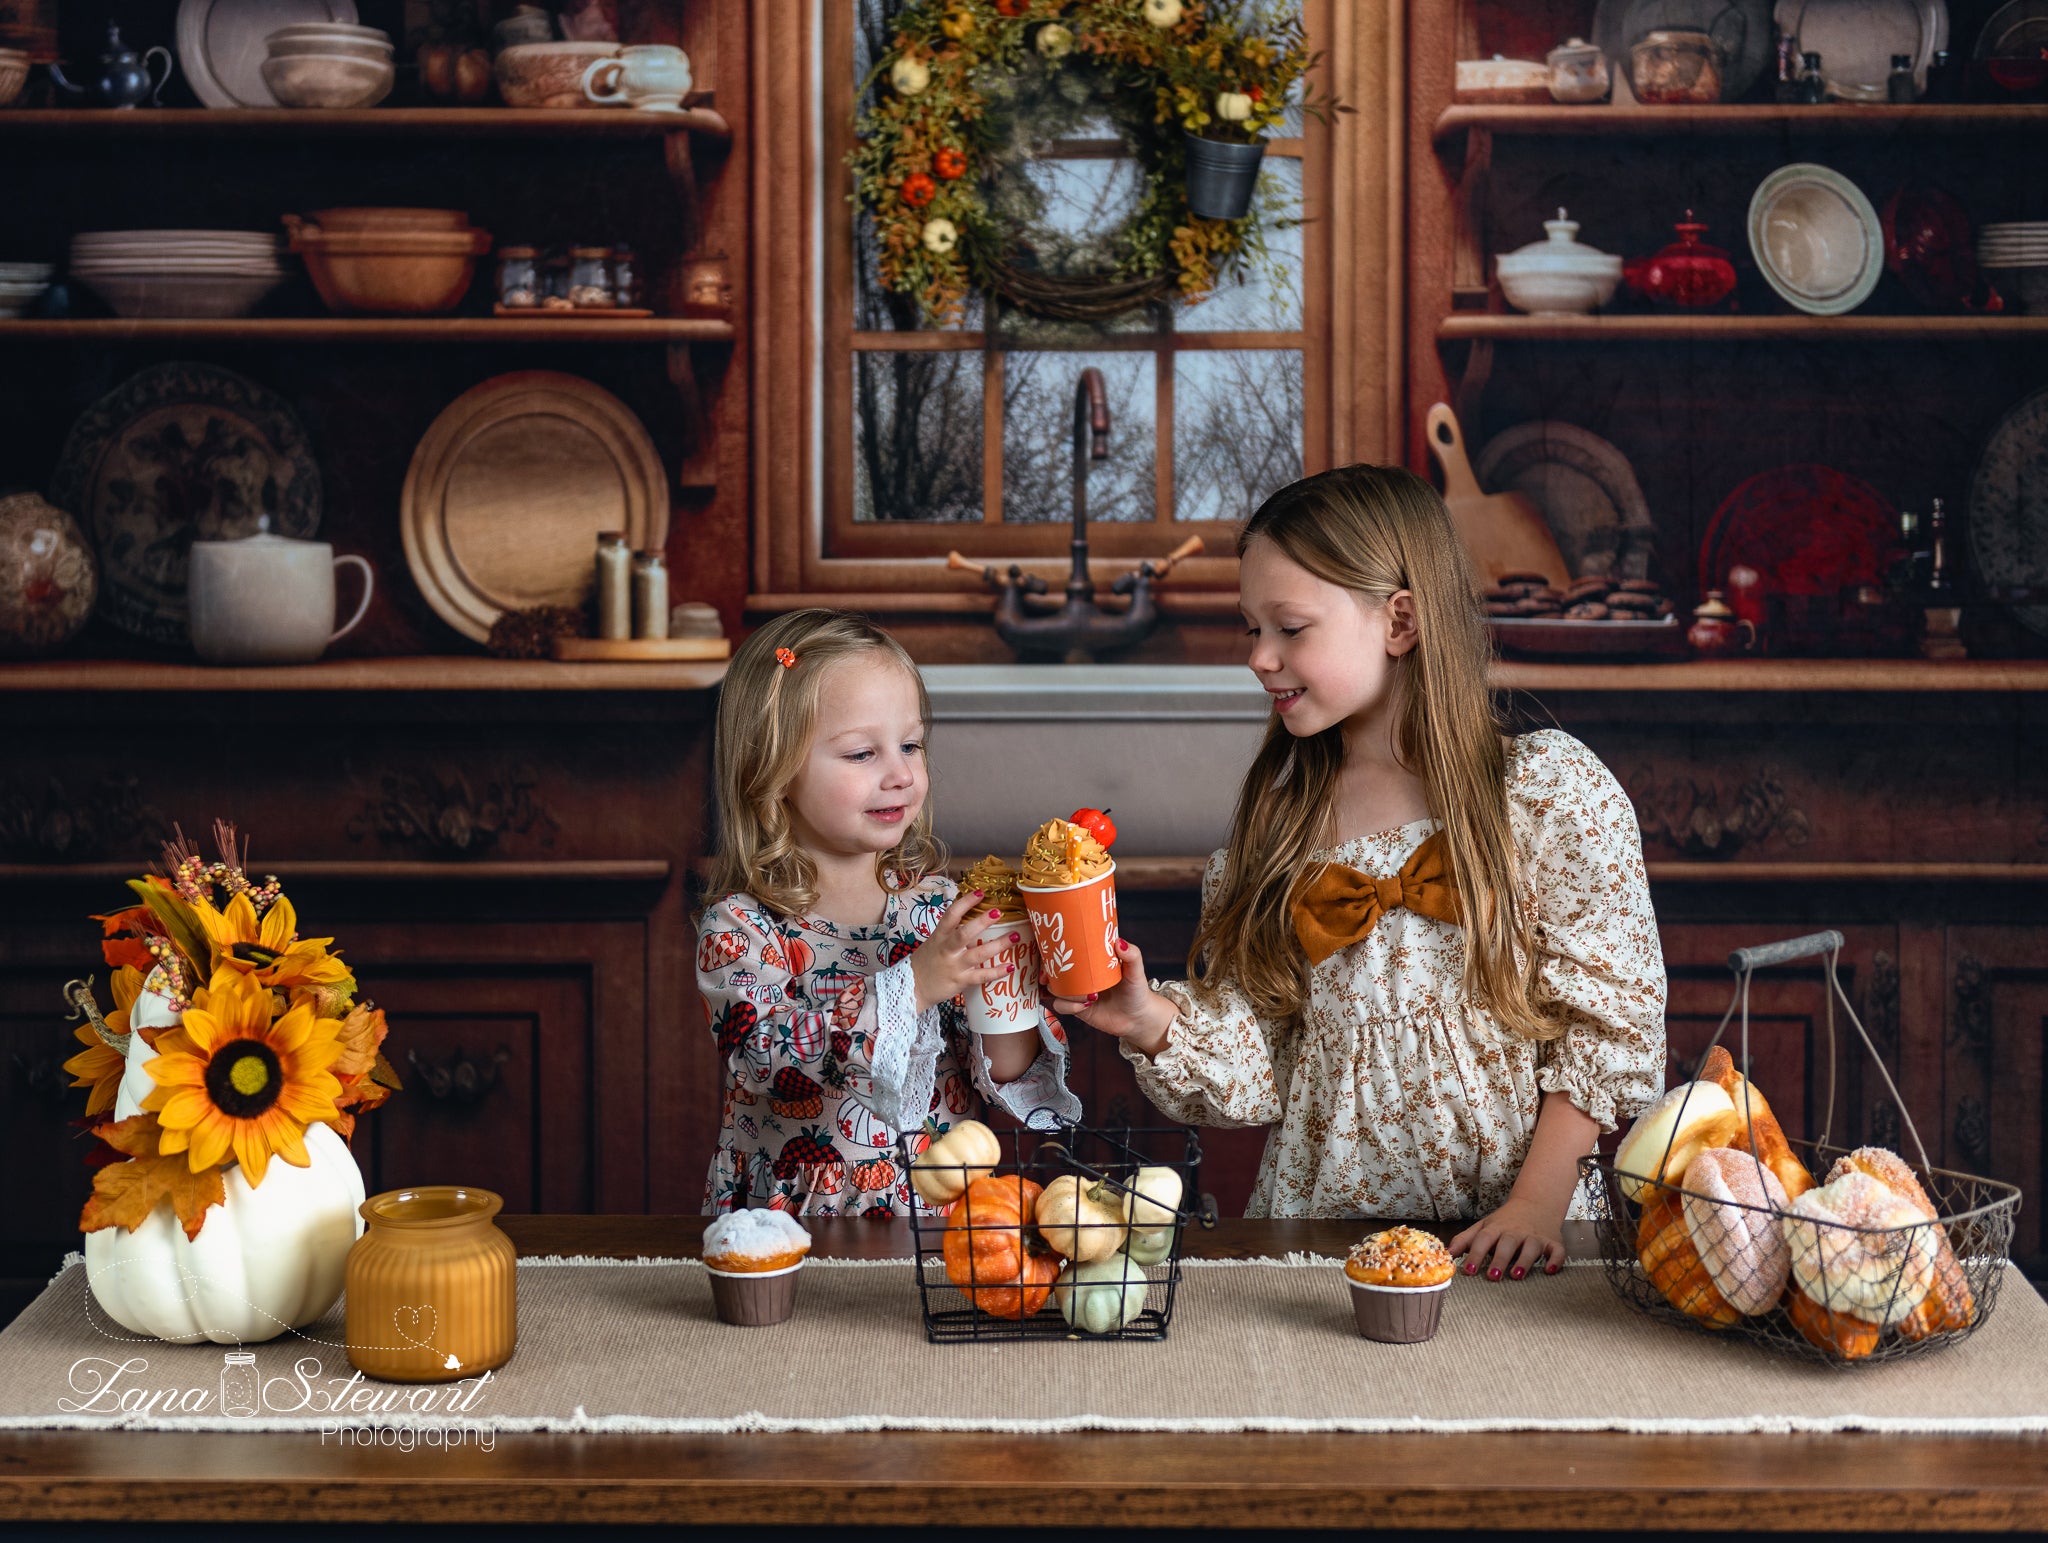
[
  {"x": 22, "y": 285},
  {"x": 2017, "y": 256},
  {"x": 178, "y": 272}
]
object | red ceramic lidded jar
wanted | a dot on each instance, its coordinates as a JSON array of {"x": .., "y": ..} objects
[{"x": 1688, "y": 272}]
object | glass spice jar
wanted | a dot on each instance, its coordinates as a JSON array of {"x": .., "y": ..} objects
[
  {"x": 432, "y": 1292},
  {"x": 590, "y": 279},
  {"x": 519, "y": 287},
  {"x": 625, "y": 276},
  {"x": 614, "y": 585}
]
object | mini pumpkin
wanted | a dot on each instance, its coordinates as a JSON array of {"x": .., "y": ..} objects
[
  {"x": 949, "y": 163},
  {"x": 958, "y": 24},
  {"x": 992, "y": 1253},
  {"x": 951, "y": 1162},
  {"x": 918, "y": 189}
]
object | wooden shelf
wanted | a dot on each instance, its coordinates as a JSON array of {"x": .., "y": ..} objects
[
  {"x": 371, "y": 329},
  {"x": 1778, "y": 675},
  {"x": 454, "y": 122},
  {"x": 628, "y": 870},
  {"x": 1974, "y": 118},
  {"x": 1492, "y": 327},
  {"x": 1168, "y": 874},
  {"x": 426, "y": 673},
  {"x": 469, "y": 673}
]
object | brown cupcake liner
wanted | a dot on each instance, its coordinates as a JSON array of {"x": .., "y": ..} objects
[
  {"x": 1397, "y": 1315},
  {"x": 754, "y": 1300}
]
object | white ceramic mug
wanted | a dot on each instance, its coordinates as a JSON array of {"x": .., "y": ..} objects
[
  {"x": 1009, "y": 1004},
  {"x": 267, "y": 599},
  {"x": 654, "y": 77}
]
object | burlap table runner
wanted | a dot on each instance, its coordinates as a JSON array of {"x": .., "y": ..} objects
[{"x": 633, "y": 1346}]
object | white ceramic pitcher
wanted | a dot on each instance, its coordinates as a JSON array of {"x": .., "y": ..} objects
[
  {"x": 268, "y": 599},
  {"x": 653, "y": 77}
]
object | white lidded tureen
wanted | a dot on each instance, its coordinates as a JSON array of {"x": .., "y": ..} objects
[{"x": 1559, "y": 275}]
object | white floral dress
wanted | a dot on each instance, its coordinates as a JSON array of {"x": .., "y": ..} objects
[
  {"x": 827, "y": 1057},
  {"x": 1396, "y": 1097}
]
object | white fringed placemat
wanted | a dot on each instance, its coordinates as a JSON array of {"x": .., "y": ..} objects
[{"x": 1268, "y": 1345}]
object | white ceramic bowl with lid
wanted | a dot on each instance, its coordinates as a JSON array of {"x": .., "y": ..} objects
[{"x": 1558, "y": 275}]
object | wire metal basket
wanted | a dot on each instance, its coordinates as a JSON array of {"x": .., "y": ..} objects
[
  {"x": 989, "y": 1240},
  {"x": 1910, "y": 1278}
]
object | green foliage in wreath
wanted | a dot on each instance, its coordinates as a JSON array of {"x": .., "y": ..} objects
[{"x": 965, "y": 84}]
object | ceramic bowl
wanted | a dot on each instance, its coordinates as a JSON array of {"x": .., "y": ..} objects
[
  {"x": 181, "y": 294},
  {"x": 13, "y": 74},
  {"x": 393, "y": 273},
  {"x": 340, "y": 48},
  {"x": 1558, "y": 293},
  {"x": 328, "y": 80},
  {"x": 1816, "y": 238},
  {"x": 389, "y": 218},
  {"x": 548, "y": 74},
  {"x": 328, "y": 29}
]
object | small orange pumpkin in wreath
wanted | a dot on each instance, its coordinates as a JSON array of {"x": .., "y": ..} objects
[
  {"x": 949, "y": 163},
  {"x": 993, "y": 1254}
]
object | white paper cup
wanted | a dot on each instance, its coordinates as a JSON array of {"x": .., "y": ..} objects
[{"x": 1008, "y": 1005}]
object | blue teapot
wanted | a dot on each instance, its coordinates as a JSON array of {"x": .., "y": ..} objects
[{"x": 123, "y": 78}]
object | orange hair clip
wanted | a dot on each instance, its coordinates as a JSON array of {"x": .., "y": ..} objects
[{"x": 785, "y": 658}]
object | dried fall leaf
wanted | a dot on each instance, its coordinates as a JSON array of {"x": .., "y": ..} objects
[
  {"x": 360, "y": 1035},
  {"x": 124, "y": 1194}
]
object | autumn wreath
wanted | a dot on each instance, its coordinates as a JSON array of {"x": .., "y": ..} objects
[{"x": 943, "y": 125}]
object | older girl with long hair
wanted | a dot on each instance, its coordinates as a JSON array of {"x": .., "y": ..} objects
[
  {"x": 1427, "y": 955},
  {"x": 833, "y": 952}
]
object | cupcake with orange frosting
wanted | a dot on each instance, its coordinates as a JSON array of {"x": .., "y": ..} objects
[{"x": 1397, "y": 1280}]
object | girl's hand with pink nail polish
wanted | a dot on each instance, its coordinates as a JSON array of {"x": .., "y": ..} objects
[
  {"x": 951, "y": 961},
  {"x": 1512, "y": 1240},
  {"x": 1130, "y": 1010}
]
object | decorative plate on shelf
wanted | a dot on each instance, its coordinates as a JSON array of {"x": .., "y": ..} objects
[
  {"x": 1557, "y": 637},
  {"x": 176, "y": 453},
  {"x": 1816, "y": 239},
  {"x": 509, "y": 488},
  {"x": 2009, "y": 507},
  {"x": 1809, "y": 530},
  {"x": 1586, "y": 489},
  {"x": 221, "y": 44}
]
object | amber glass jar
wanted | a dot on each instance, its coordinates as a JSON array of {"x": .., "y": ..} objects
[{"x": 431, "y": 1289}]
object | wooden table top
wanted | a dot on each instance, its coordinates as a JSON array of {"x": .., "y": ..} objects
[{"x": 1510, "y": 1481}]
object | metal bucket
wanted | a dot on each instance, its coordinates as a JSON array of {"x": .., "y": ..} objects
[{"x": 1221, "y": 177}]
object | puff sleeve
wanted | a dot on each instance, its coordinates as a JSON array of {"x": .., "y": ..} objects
[
  {"x": 1220, "y": 1065},
  {"x": 1600, "y": 961}
]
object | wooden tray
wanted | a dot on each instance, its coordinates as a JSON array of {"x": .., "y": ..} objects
[
  {"x": 1555, "y": 637},
  {"x": 583, "y": 313},
  {"x": 509, "y": 488},
  {"x": 579, "y": 649}
]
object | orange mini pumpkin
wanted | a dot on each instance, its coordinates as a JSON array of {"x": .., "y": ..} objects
[
  {"x": 992, "y": 1254},
  {"x": 948, "y": 163},
  {"x": 918, "y": 189}
]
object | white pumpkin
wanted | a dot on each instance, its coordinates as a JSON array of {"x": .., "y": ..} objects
[{"x": 267, "y": 1259}]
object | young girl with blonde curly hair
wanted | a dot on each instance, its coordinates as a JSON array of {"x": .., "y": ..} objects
[
  {"x": 1427, "y": 955},
  {"x": 833, "y": 951}
]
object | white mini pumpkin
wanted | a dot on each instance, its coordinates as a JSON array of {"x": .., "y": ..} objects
[{"x": 267, "y": 1259}]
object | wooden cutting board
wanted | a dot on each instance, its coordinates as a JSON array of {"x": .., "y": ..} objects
[
  {"x": 509, "y": 488},
  {"x": 1503, "y": 532},
  {"x": 642, "y": 649}
]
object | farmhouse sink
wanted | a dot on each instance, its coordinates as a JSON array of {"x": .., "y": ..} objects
[{"x": 1163, "y": 746}]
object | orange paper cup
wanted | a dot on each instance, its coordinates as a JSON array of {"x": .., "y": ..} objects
[{"x": 1075, "y": 929}]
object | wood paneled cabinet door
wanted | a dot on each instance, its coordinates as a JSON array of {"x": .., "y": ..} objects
[
  {"x": 1788, "y": 1022},
  {"x": 40, "y": 1146},
  {"x": 1993, "y": 1052}
]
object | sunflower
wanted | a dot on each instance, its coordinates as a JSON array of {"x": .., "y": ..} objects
[
  {"x": 99, "y": 1065},
  {"x": 269, "y": 947},
  {"x": 232, "y": 1078}
]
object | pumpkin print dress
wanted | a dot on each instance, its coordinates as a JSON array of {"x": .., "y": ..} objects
[
  {"x": 1395, "y": 1096},
  {"x": 827, "y": 1058}
]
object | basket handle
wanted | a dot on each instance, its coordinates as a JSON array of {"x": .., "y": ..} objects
[{"x": 1814, "y": 945}]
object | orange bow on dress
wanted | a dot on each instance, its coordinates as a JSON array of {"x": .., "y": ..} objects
[{"x": 1341, "y": 905}]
